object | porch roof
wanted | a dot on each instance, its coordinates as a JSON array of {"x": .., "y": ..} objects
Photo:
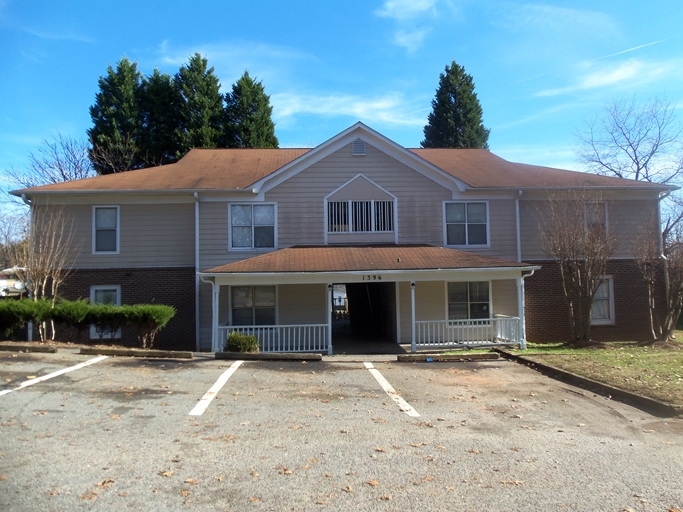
[{"x": 366, "y": 258}]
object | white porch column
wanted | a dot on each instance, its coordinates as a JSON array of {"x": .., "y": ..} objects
[
  {"x": 521, "y": 331},
  {"x": 413, "y": 345},
  {"x": 330, "y": 295},
  {"x": 217, "y": 345}
]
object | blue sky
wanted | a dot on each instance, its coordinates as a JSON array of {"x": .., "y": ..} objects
[{"x": 540, "y": 68}]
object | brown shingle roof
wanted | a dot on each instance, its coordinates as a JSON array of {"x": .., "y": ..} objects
[
  {"x": 200, "y": 169},
  {"x": 237, "y": 169},
  {"x": 362, "y": 258}
]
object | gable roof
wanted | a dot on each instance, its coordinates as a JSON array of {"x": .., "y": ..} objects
[
  {"x": 247, "y": 169},
  {"x": 315, "y": 259}
]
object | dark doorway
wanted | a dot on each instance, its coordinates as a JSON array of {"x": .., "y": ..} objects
[{"x": 371, "y": 312}]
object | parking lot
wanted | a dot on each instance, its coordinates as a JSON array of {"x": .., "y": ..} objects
[{"x": 123, "y": 433}]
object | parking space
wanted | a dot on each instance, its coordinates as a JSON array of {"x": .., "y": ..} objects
[{"x": 119, "y": 433}]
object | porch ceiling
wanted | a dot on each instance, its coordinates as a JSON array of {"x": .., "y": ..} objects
[{"x": 342, "y": 259}]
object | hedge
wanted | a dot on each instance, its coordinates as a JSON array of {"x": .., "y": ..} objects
[{"x": 148, "y": 319}]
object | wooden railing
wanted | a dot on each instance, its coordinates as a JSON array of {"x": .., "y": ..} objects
[
  {"x": 501, "y": 330},
  {"x": 280, "y": 338}
]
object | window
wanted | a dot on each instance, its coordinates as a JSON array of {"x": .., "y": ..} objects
[
  {"x": 253, "y": 305},
  {"x": 252, "y": 226},
  {"x": 106, "y": 229},
  {"x": 360, "y": 216},
  {"x": 466, "y": 223},
  {"x": 595, "y": 215},
  {"x": 602, "y": 310},
  {"x": 105, "y": 294},
  {"x": 468, "y": 301}
]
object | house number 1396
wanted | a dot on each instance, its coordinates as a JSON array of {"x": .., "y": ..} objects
[{"x": 372, "y": 277}]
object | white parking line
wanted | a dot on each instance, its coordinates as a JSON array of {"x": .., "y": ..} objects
[
  {"x": 402, "y": 404},
  {"x": 213, "y": 390},
  {"x": 31, "y": 382}
]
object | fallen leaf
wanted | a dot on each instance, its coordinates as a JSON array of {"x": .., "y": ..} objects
[
  {"x": 511, "y": 482},
  {"x": 30, "y": 376},
  {"x": 255, "y": 473},
  {"x": 105, "y": 483},
  {"x": 373, "y": 483},
  {"x": 379, "y": 449},
  {"x": 348, "y": 489},
  {"x": 166, "y": 473},
  {"x": 90, "y": 495},
  {"x": 185, "y": 493},
  {"x": 255, "y": 499},
  {"x": 3, "y": 478},
  {"x": 474, "y": 450},
  {"x": 191, "y": 481},
  {"x": 386, "y": 497}
]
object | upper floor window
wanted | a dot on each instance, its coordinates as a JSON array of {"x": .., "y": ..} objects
[
  {"x": 105, "y": 229},
  {"x": 466, "y": 223},
  {"x": 360, "y": 216},
  {"x": 595, "y": 216},
  {"x": 252, "y": 226}
]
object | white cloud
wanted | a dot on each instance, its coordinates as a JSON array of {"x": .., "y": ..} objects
[
  {"x": 623, "y": 75},
  {"x": 405, "y": 9},
  {"x": 390, "y": 108},
  {"x": 410, "y": 31}
]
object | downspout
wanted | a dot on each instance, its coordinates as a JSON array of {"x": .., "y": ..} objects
[
  {"x": 196, "y": 271},
  {"x": 522, "y": 317},
  {"x": 29, "y": 324},
  {"x": 517, "y": 226},
  {"x": 659, "y": 221}
]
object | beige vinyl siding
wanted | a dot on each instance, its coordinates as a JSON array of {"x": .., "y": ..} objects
[
  {"x": 504, "y": 297},
  {"x": 300, "y": 199},
  {"x": 302, "y": 304},
  {"x": 626, "y": 220},
  {"x": 151, "y": 235},
  {"x": 502, "y": 229}
]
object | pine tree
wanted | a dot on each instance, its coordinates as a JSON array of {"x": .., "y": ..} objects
[
  {"x": 160, "y": 106},
  {"x": 456, "y": 117},
  {"x": 114, "y": 136},
  {"x": 248, "y": 113},
  {"x": 202, "y": 109}
]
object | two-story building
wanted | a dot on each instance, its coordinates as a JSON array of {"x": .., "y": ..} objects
[{"x": 434, "y": 246}]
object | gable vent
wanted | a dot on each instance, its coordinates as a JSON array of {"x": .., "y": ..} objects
[{"x": 358, "y": 147}]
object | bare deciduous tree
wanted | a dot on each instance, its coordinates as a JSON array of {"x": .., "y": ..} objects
[
  {"x": 574, "y": 234},
  {"x": 43, "y": 257},
  {"x": 58, "y": 160},
  {"x": 665, "y": 263}
]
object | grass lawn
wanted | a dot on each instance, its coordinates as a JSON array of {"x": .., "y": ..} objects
[{"x": 655, "y": 372}]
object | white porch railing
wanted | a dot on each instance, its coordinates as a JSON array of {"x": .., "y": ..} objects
[
  {"x": 279, "y": 338},
  {"x": 467, "y": 333}
]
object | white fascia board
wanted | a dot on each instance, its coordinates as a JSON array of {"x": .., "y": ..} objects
[
  {"x": 372, "y": 137},
  {"x": 387, "y": 276}
]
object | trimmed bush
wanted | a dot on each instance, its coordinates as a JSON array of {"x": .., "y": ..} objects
[
  {"x": 148, "y": 320},
  {"x": 238, "y": 342},
  {"x": 11, "y": 316},
  {"x": 72, "y": 314}
]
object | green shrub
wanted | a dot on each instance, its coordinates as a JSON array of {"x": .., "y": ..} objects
[
  {"x": 148, "y": 320},
  {"x": 238, "y": 342},
  {"x": 107, "y": 319},
  {"x": 72, "y": 314},
  {"x": 11, "y": 316}
]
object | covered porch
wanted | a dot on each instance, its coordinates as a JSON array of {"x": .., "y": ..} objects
[{"x": 418, "y": 296}]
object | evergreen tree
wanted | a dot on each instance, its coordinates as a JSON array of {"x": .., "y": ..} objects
[
  {"x": 456, "y": 117},
  {"x": 160, "y": 107},
  {"x": 116, "y": 120},
  {"x": 201, "y": 113},
  {"x": 248, "y": 116}
]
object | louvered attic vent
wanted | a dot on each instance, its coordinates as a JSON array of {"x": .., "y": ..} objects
[{"x": 358, "y": 147}]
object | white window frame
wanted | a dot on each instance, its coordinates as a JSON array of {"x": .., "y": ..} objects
[
  {"x": 466, "y": 244},
  {"x": 252, "y": 248},
  {"x": 469, "y": 302},
  {"x": 94, "y": 228},
  {"x": 373, "y": 215},
  {"x": 612, "y": 318},
  {"x": 231, "y": 321},
  {"x": 93, "y": 290}
]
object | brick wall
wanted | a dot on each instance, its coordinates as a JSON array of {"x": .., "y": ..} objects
[
  {"x": 547, "y": 317},
  {"x": 170, "y": 286}
]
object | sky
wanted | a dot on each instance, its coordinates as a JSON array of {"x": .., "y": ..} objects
[{"x": 541, "y": 69}]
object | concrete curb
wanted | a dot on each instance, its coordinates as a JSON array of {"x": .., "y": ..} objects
[
  {"x": 641, "y": 402},
  {"x": 133, "y": 352},
  {"x": 445, "y": 358},
  {"x": 268, "y": 356},
  {"x": 27, "y": 347}
]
